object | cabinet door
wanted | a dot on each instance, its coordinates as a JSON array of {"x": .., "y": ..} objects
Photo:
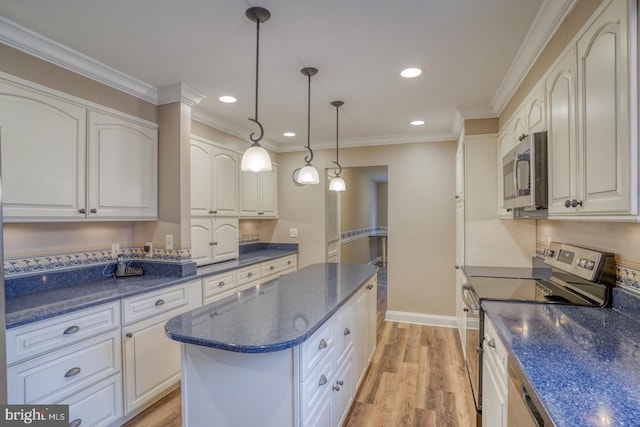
[
  {"x": 603, "y": 113},
  {"x": 494, "y": 396},
  {"x": 123, "y": 168},
  {"x": 343, "y": 392},
  {"x": 225, "y": 239},
  {"x": 562, "y": 144},
  {"x": 504, "y": 140},
  {"x": 201, "y": 243},
  {"x": 536, "y": 119},
  {"x": 519, "y": 126},
  {"x": 151, "y": 363},
  {"x": 343, "y": 334},
  {"x": 249, "y": 188},
  {"x": 225, "y": 179},
  {"x": 201, "y": 178},
  {"x": 43, "y": 155},
  {"x": 372, "y": 302},
  {"x": 361, "y": 306},
  {"x": 269, "y": 193}
]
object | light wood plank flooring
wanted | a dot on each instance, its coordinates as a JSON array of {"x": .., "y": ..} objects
[{"x": 417, "y": 378}]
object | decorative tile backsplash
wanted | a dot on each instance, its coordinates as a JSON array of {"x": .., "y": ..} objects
[
  {"x": 23, "y": 265},
  {"x": 359, "y": 233}
]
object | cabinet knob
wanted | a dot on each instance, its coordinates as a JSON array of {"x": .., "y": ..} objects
[
  {"x": 289, "y": 262},
  {"x": 370, "y": 286},
  {"x": 457, "y": 267},
  {"x": 272, "y": 268},
  {"x": 82, "y": 211},
  {"x": 75, "y": 423},
  {"x": 129, "y": 335},
  {"x": 323, "y": 380},
  {"x": 221, "y": 284},
  {"x": 336, "y": 387},
  {"x": 71, "y": 330},
  {"x": 323, "y": 344},
  {"x": 160, "y": 302},
  {"x": 340, "y": 382},
  {"x": 72, "y": 372},
  {"x": 249, "y": 274},
  {"x": 457, "y": 196},
  {"x": 466, "y": 310},
  {"x": 260, "y": 213},
  {"x": 213, "y": 212},
  {"x": 347, "y": 331},
  {"x": 210, "y": 243},
  {"x": 572, "y": 203},
  {"x": 94, "y": 210}
]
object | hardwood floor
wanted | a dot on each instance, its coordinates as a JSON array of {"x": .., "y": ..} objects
[{"x": 417, "y": 378}]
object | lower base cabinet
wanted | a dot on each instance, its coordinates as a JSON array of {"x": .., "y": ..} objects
[
  {"x": 99, "y": 405},
  {"x": 494, "y": 379}
]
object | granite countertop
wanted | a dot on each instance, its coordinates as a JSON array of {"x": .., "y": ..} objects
[
  {"x": 277, "y": 315},
  {"x": 583, "y": 362},
  {"x": 50, "y": 302}
]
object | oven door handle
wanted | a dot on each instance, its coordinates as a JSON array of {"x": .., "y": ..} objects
[
  {"x": 468, "y": 299},
  {"x": 537, "y": 418}
]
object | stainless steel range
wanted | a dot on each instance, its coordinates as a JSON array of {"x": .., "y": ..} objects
[{"x": 561, "y": 274}]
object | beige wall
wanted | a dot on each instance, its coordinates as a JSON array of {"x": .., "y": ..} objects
[
  {"x": 382, "y": 189},
  {"x": 357, "y": 210},
  {"x": 421, "y": 217},
  {"x": 480, "y": 126}
]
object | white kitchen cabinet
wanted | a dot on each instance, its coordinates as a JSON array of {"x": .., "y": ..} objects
[
  {"x": 151, "y": 360},
  {"x": 43, "y": 155},
  {"x": 535, "y": 109},
  {"x": 365, "y": 302},
  {"x": 593, "y": 158},
  {"x": 259, "y": 194},
  {"x": 214, "y": 239},
  {"x": 560, "y": 84},
  {"x": 214, "y": 180},
  {"x": 504, "y": 141},
  {"x": 97, "y": 406},
  {"x": 494, "y": 383},
  {"x": 64, "y": 160}
]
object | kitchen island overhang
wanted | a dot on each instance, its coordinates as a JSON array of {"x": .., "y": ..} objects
[{"x": 245, "y": 358}]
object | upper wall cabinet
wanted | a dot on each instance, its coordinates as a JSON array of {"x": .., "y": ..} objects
[
  {"x": 534, "y": 110},
  {"x": 214, "y": 180},
  {"x": 592, "y": 136},
  {"x": 62, "y": 162},
  {"x": 123, "y": 168},
  {"x": 259, "y": 194}
]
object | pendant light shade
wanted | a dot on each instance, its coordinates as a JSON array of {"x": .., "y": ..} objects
[
  {"x": 256, "y": 158},
  {"x": 308, "y": 174},
  {"x": 337, "y": 183}
]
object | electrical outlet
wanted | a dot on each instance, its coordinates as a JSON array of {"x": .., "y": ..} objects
[
  {"x": 148, "y": 249},
  {"x": 115, "y": 250},
  {"x": 293, "y": 232},
  {"x": 168, "y": 241}
]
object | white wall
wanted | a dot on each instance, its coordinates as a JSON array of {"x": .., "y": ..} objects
[{"x": 421, "y": 218}]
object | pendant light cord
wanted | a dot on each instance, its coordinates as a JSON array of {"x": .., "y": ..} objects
[
  {"x": 309, "y": 158},
  {"x": 251, "y": 137},
  {"x": 337, "y": 104}
]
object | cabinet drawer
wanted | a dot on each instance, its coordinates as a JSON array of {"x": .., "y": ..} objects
[
  {"x": 98, "y": 405},
  {"x": 154, "y": 303},
  {"x": 248, "y": 285},
  {"x": 278, "y": 265},
  {"x": 217, "y": 284},
  {"x": 316, "y": 386},
  {"x": 47, "y": 335},
  {"x": 248, "y": 274},
  {"x": 54, "y": 376},
  {"x": 315, "y": 348},
  {"x": 494, "y": 350}
]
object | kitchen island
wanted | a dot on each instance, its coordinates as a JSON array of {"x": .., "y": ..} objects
[{"x": 288, "y": 352}]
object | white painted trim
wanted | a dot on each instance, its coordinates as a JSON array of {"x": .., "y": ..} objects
[
  {"x": 179, "y": 92},
  {"x": 422, "y": 319},
  {"x": 549, "y": 17},
  {"x": 28, "y": 41}
]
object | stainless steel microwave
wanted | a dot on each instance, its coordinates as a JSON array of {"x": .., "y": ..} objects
[{"x": 525, "y": 174}]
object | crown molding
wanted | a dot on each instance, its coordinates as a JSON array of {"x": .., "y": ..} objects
[
  {"x": 543, "y": 27},
  {"x": 39, "y": 46},
  {"x": 179, "y": 92}
]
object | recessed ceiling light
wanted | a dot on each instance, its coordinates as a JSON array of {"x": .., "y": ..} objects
[
  {"x": 227, "y": 99},
  {"x": 410, "y": 73},
  {"x": 289, "y": 134},
  {"x": 417, "y": 122}
]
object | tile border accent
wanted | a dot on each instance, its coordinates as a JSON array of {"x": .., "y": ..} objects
[
  {"x": 20, "y": 265},
  {"x": 360, "y": 233}
]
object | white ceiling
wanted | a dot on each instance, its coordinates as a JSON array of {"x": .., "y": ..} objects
[{"x": 473, "y": 53}]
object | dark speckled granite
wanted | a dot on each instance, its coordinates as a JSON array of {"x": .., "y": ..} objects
[
  {"x": 277, "y": 315},
  {"x": 583, "y": 362},
  {"x": 49, "y": 295}
]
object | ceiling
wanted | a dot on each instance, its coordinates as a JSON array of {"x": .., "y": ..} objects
[{"x": 474, "y": 53}]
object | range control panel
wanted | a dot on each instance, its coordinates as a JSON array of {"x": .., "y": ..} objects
[{"x": 582, "y": 262}]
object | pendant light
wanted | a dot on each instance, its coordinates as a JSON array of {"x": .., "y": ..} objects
[
  {"x": 337, "y": 183},
  {"x": 308, "y": 174},
  {"x": 256, "y": 158}
]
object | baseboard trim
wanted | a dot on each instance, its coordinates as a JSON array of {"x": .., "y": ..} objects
[{"x": 422, "y": 319}]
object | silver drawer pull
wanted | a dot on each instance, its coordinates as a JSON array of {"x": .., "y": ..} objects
[
  {"x": 160, "y": 302},
  {"x": 323, "y": 344},
  {"x": 221, "y": 284},
  {"x": 289, "y": 262},
  {"x": 75, "y": 423},
  {"x": 347, "y": 331},
  {"x": 71, "y": 330},
  {"x": 323, "y": 380},
  {"x": 492, "y": 343},
  {"x": 72, "y": 372},
  {"x": 340, "y": 382},
  {"x": 369, "y": 286}
]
